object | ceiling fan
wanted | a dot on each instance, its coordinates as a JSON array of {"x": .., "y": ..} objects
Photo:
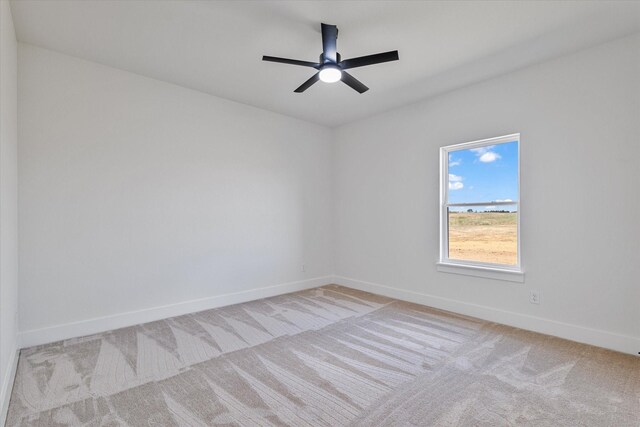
[{"x": 331, "y": 68}]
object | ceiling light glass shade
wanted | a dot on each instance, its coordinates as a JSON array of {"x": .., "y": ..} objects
[{"x": 330, "y": 74}]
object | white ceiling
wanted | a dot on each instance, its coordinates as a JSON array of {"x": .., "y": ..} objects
[{"x": 216, "y": 46}]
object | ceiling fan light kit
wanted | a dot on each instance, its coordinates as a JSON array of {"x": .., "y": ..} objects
[
  {"x": 330, "y": 74},
  {"x": 331, "y": 67}
]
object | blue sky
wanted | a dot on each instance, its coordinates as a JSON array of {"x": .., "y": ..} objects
[{"x": 484, "y": 174}]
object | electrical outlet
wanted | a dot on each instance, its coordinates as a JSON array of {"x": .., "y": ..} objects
[
  {"x": 535, "y": 297},
  {"x": 303, "y": 268}
]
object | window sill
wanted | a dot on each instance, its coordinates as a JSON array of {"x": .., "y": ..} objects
[{"x": 486, "y": 272}]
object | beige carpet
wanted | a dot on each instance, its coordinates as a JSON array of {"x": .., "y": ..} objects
[{"x": 330, "y": 356}]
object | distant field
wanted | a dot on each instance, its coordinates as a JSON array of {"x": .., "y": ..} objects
[{"x": 487, "y": 237}]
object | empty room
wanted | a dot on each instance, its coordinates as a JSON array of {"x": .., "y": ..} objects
[{"x": 319, "y": 213}]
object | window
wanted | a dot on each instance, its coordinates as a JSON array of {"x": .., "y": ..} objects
[{"x": 479, "y": 208}]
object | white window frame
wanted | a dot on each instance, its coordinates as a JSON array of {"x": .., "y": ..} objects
[{"x": 475, "y": 268}]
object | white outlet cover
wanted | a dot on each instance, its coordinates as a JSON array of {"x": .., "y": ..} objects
[{"x": 535, "y": 297}]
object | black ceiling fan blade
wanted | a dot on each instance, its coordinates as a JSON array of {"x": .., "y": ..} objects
[
  {"x": 353, "y": 83},
  {"x": 369, "y": 60},
  {"x": 306, "y": 85},
  {"x": 291, "y": 61},
  {"x": 329, "y": 40}
]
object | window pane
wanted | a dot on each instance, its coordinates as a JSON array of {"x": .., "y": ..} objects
[
  {"x": 484, "y": 234},
  {"x": 482, "y": 174}
]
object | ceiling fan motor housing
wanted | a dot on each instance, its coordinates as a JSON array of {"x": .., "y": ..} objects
[{"x": 323, "y": 60}]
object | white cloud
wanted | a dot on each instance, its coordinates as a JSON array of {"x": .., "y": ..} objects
[
  {"x": 455, "y": 182},
  {"x": 489, "y": 157},
  {"x": 503, "y": 200},
  {"x": 453, "y": 162},
  {"x": 485, "y": 154},
  {"x": 489, "y": 208}
]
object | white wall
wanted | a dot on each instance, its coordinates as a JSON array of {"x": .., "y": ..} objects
[
  {"x": 579, "y": 117},
  {"x": 136, "y": 194},
  {"x": 8, "y": 204}
]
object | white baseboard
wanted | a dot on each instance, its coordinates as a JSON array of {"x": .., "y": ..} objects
[
  {"x": 7, "y": 386},
  {"x": 121, "y": 320},
  {"x": 622, "y": 343},
  {"x": 613, "y": 341}
]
